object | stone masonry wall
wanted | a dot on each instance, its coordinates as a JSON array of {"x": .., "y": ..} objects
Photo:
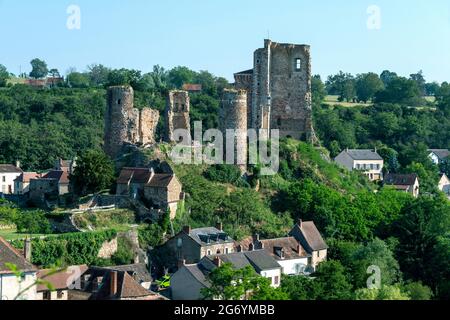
[
  {"x": 233, "y": 115},
  {"x": 284, "y": 88},
  {"x": 126, "y": 124},
  {"x": 177, "y": 113}
]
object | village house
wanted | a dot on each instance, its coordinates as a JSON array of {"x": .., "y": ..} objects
[
  {"x": 438, "y": 156},
  {"x": 191, "y": 245},
  {"x": 117, "y": 285},
  {"x": 63, "y": 283},
  {"x": 11, "y": 286},
  {"x": 9, "y": 173},
  {"x": 22, "y": 182},
  {"x": 157, "y": 190},
  {"x": 188, "y": 282},
  {"x": 367, "y": 161},
  {"x": 307, "y": 234},
  {"x": 444, "y": 185},
  {"x": 408, "y": 183},
  {"x": 288, "y": 252}
]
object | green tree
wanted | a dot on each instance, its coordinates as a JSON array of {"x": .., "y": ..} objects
[
  {"x": 367, "y": 85},
  {"x": 419, "y": 229},
  {"x": 385, "y": 293},
  {"x": 4, "y": 76},
  {"x": 299, "y": 287},
  {"x": 94, "y": 172},
  {"x": 39, "y": 69},
  {"x": 387, "y": 77},
  {"x": 98, "y": 74},
  {"x": 332, "y": 281},
  {"x": 401, "y": 90},
  {"x": 375, "y": 253},
  {"x": 318, "y": 89},
  {"x": 417, "y": 291},
  {"x": 228, "y": 283},
  {"x": 78, "y": 80}
]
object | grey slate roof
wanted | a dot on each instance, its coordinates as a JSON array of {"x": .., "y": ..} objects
[
  {"x": 250, "y": 71},
  {"x": 139, "y": 270},
  {"x": 309, "y": 236},
  {"x": 363, "y": 154},
  {"x": 441, "y": 153},
  {"x": 209, "y": 236},
  {"x": 400, "y": 179},
  {"x": 9, "y": 168},
  {"x": 258, "y": 259},
  {"x": 8, "y": 254}
]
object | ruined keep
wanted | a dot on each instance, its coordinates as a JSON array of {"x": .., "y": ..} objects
[
  {"x": 233, "y": 115},
  {"x": 177, "y": 113},
  {"x": 280, "y": 89},
  {"x": 126, "y": 124}
]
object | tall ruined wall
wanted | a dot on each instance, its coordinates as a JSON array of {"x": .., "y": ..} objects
[
  {"x": 244, "y": 81},
  {"x": 233, "y": 115},
  {"x": 148, "y": 121},
  {"x": 126, "y": 124},
  {"x": 282, "y": 89},
  {"x": 177, "y": 113}
]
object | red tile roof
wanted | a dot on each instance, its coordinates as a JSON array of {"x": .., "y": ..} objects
[
  {"x": 59, "y": 280},
  {"x": 27, "y": 176},
  {"x": 60, "y": 176},
  {"x": 192, "y": 87}
]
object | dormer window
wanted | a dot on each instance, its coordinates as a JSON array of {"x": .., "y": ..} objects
[{"x": 298, "y": 64}]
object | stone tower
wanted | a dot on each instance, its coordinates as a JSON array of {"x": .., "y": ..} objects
[
  {"x": 233, "y": 115},
  {"x": 177, "y": 113},
  {"x": 281, "y": 89},
  {"x": 126, "y": 124}
]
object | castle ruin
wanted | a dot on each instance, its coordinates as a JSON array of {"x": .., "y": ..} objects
[
  {"x": 279, "y": 90},
  {"x": 125, "y": 124},
  {"x": 177, "y": 113},
  {"x": 233, "y": 116}
]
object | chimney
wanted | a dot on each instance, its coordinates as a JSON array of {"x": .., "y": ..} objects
[
  {"x": 300, "y": 223},
  {"x": 181, "y": 263},
  {"x": 113, "y": 283},
  {"x": 18, "y": 164},
  {"x": 219, "y": 226},
  {"x": 256, "y": 237},
  {"x": 187, "y": 229},
  {"x": 217, "y": 262},
  {"x": 27, "y": 249},
  {"x": 299, "y": 249}
]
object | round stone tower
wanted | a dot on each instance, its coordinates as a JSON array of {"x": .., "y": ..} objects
[
  {"x": 117, "y": 119},
  {"x": 233, "y": 116}
]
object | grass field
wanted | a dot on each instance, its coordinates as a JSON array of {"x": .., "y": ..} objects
[
  {"x": 333, "y": 100},
  {"x": 11, "y": 234}
]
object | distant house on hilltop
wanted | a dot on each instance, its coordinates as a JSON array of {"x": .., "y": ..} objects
[
  {"x": 439, "y": 155},
  {"x": 192, "y": 88},
  {"x": 367, "y": 161},
  {"x": 408, "y": 183},
  {"x": 444, "y": 185}
]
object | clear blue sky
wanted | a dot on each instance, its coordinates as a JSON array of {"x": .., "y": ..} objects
[{"x": 221, "y": 35}]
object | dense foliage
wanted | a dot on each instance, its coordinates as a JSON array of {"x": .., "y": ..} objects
[{"x": 69, "y": 249}]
